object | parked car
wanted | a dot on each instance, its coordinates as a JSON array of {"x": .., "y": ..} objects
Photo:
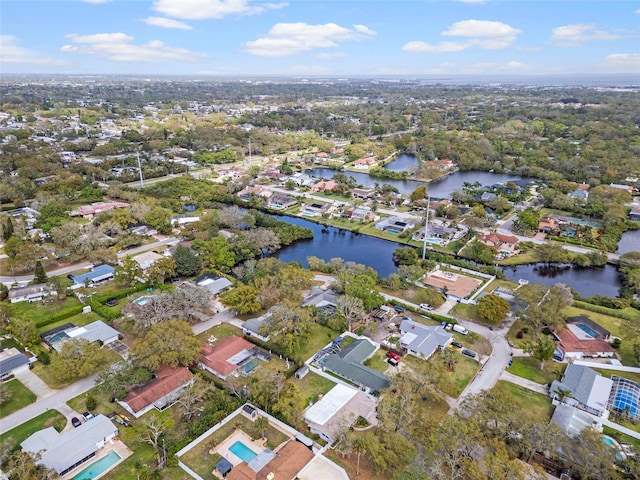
[
  {"x": 393, "y": 355},
  {"x": 469, "y": 353},
  {"x": 87, "y": 416},
  {"x": 75, "y": 421},
  {"x": 399, "y": 308},
  {"x": 393, "y": 362},
  {"x": 426, "y": 306},
  {"x": 112, "y": 302},
  {"x": 457, "y": 345}
]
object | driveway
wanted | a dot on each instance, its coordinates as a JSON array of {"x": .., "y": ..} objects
[{"x": 35, "y": 384}]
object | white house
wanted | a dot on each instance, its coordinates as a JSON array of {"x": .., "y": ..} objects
[
  {"x": 421, "y": 340},
  {"x": 30, "y": 293}
]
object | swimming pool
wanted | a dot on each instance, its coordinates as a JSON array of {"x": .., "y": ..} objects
[
  {"x": 144, "y": 299},
  {"x": 243, "y": 452},
  {"x": 98, "y": 468},
  {"x": 57, "y": 337},
  {"x": 391, "y": 230},
  {"x": 249, "y": 366},
  {"x": 589, "y": 331},
  {"x": 434, "y": 240}
]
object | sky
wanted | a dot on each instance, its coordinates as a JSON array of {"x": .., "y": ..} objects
[{"x": 320, "y": 38}]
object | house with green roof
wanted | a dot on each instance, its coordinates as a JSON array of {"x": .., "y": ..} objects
[{"x": 348, "y": 364}]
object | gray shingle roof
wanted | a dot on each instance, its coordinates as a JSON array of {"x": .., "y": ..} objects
[
  {"x": 348, "y": 364},
  {"x": 12, "y": 359}
]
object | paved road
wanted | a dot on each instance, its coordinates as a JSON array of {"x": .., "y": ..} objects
[
  {"x": 23, "y": 279},
  {"x": 53, "y": 402}
]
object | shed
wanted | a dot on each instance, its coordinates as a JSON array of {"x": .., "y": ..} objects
[
  {"x": 301, "y": 372},
  {"x": 224, "y": 466}
]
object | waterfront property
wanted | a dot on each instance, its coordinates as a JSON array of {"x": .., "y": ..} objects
[
  {"x": 62, "y": 452},
  {"x": 583, "y": 338},
  {"x": 159, "y": 393},
  {"x": 452, "y": 284},
  {"x": 503, "y": 244},
  {"x": 394, "y": 225},
  {"x": 341, "y": 406}
]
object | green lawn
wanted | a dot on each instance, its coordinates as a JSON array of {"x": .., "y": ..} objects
[
  {"x": 536, "y": 405},
  {"x": 21, "y": 396},
  {"x": 313, "y": 385},
  {"x": 79, "y": 320},
  {"x": 319, "y": 336},
  {"x": 377, "y": 362},
  {"x": 465, "y": 312},
  {"x": 220, "y": 332},
  {"x": 450, "y": 383},
  {"x": 39, "y": 313},
  {"x": 529, "y": 368},
  {"x": 50, "y": 418}
]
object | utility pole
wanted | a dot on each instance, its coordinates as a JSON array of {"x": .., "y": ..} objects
[
  {"x": 426, "y": 230},
  {"x": 140, "y": 170}
]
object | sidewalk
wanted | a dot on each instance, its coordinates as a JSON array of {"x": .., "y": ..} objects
[{"x": 523, "y": 382}]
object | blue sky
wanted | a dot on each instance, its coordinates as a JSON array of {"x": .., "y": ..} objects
[{"x": 306, "y": 37}]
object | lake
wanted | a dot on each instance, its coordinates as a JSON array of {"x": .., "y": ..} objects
[
  {"x": 630, "y": 242},
  {"x": 332, "y": 242}
]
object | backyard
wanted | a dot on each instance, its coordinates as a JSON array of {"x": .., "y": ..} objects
[
  {"x": 529, "y": 368},
  {"x": 537, "y": 406}
]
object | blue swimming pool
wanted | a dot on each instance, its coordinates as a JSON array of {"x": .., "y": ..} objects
[
  {"x": 243, "y": 452},
  {"x": 144, "y": 299},
  {"x": 592, "y": 333},
  {"x": 250, "y": 366},
  {"x": 98, "y": 468}
]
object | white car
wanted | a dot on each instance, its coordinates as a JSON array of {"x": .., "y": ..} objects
[{"x": 426, "y": 306}]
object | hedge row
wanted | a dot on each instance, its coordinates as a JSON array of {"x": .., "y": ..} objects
[
  {"x": 605, "y": 311},
  {"x": 56, "y": 317}
]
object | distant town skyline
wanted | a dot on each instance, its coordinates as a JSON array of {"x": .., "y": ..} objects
[{"x": 332, "y": 38}]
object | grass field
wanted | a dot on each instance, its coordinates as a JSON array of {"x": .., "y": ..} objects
[
  {"x": 50, "y": 418},
  {"x": 537, "y": 406},
  {"x": 529, "y": 368},
  {"x": 79, "y": 320},
  {"x": 220, "y": 332},
  {"x": 313, "y": 385},
  {"x": 41, "y": 313},
  {"x": 21, "y": 396},
  {"x": 377, "y": 362}
]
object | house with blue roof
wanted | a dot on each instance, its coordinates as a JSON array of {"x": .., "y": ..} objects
[{"x": 97, "y": 275}]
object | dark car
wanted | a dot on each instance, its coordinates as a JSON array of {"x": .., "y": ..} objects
[
  {"x": 457, "y": 345},
  {"x": 469, "y": 353},
  {"x": 75, "y": 421},
  {"x": 112, "y": 302},
  {"x": 399, "y": 308}
]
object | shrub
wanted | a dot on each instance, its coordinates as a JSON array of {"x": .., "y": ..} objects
[
  {"x": 616, "y": 342},
  {"x": 91, "y": 403}
]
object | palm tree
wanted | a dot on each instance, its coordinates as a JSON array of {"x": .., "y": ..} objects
[
  {"x": 261, "y": 424},
  {"x": 359, "y": 446}
]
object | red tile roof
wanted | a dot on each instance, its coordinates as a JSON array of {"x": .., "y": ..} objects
[
  {"x": 570, "y": 343},
  {"x": 215, "y": 356},
  {"x": 168, "y": 379},
  {"x": 288, "y": 462}
]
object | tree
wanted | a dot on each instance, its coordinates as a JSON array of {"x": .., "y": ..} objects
[
  {"x": 449, "y": 358},
  {"x": 359, "y": 447},
  {"x": 243, "y": 299},
  {"x": 22, "y": 465},
  {"x": 120, "y": 377},
  {"x": 127, "y": 271},
  {"x": 542, "y": 349},
  {"x": 492, "y": 308},
  {"x": 77, "y": 358},
  {"x": 261, "y": 424},
  {"x": 40, "y": 275},
  {"x": 153, "y": 428},
  {"x": 350, "y": 309},
  {"x": 420, "y": 193},
  {"x": 161, "y": 269},
  {"x": 550, "y": 252},
  {"x": 187, "y": 262},
  {"x": 193, "y": 395},
  {"x": 5, "y": 393},
  {"x": 168, "y": 343},
  {"x": 7, "y": 231},
  {"x": 24, "y": 330}
]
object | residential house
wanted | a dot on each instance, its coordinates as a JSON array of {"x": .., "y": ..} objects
[
  {"x": 30, "y": 293},
  {"x": 488, "y": 197},
  {"x": 12, "y": 361},
  {"x": 254, "y": 327},
  {"x": 579, "y": 195},
  {"x": 365, "y": 163},
  {"x": 423, "y": 341},
  {"x": 281, "y": 201},
  {"x": 314, "y": 209},
  {"x": 160, "y": 393},
  {"x": 363, "y": 193},
  {"x": 88, "y": 211},
  {"x": 285, "y": 464},
  {"x": 226, "y": 357},
  {"x": 324, "y": 186},
  {"x": 394, "y": 225},
  {"x": 97, "y": 275},
  {"x": 583, "y": 388},
  {"x": 321, "y": 299},
  {"x": 183, "y": 219},
  {"x": 571, "y": 420},
  {"x": 248, "y": 192},
  {"x": 548, "y": 225},
  {"x": 341, "y": 406},
  {"x": 97, "y": 331},
  {"x": 583, "y": 338},
  {"x": 348, "y": 364},
  {"x": 360, "y": 214},
  {"x": 628, "y": 188},
  {"x": 302, "y": 179},
  {"x": 62, "y": 452},
  {"x": 146, "y": 259},
  {"x": 213, "y": 283},
  {"x": 505, "y": 244}
]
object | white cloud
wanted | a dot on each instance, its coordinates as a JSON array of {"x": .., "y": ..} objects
[
  {"x": 421, "y": 47},
  {"x": 638, "y": 11},
  {"x": 478, "y": 33},
  {"x": 576, "y": 34},
  {"x": 119, "y": 48},
  {"x": 286, "y": 39},
  {"x": 206, "y": 9},
  {"x": 166, "y": 23},
  {"x": 622, "y": 63},
  {"x": 331, "y": 56},
  {"x": 12, "y": 52}
]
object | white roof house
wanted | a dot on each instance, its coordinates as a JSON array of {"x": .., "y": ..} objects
[
  {"x": 63, "y": 452},
  {"x": 422, "y": 340},
  {"x": 341, "y": 405},
  {"x": 145, "y": 260},
  {"x": 97, "y": 331}
]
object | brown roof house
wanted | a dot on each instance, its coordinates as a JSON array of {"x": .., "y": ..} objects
[
  {"x": 287, "y": 462},
  {"x": 548, "y": 225},
  {"x": 160, "y": 393},
  {"x": 227, "y": 356},
  {"x": 505, "y": 244}
]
